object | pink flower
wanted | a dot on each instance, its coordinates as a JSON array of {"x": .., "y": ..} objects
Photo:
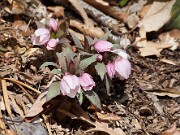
[
  {"x": 99, "y": 57},
  {"x": 70, "y": 85},
  {"x": 110, "y": 69},
  {"x": 122, "y": 68},
  {"x": 103, "y": 46},
  {"x": 86, "y": 81},
  {"x": 121, "y": 53},
  {"x": 41, "y": 36},
  {"x": 53, "y": 24},
  {"x": 51, "y": 45}
]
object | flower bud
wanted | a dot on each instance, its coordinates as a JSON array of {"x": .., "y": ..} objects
[
  {"x": 103, "y": 46},
  {"x": 110, "y": 69},
  {"x": 70, "y": 85},
  {"x": 41, "y": 36},
  {"x": 53, "y": 24},
  {"x": 86, "y": 81},
  {"x": 122, "y": 68},
  {"x": 51, "y": 45}
]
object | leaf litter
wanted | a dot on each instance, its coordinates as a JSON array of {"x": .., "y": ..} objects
[{"x": 147, "y": 103}]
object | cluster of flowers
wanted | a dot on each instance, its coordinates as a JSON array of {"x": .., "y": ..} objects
[
  {"x": 70, "y": 84},
  {"x": 44, "y": 36},
  {"x": 117, "y": 66},
  {"x": 120, "y": 67}
]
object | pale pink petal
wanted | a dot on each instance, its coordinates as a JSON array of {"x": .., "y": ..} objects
[
  {"x": 102, "y": 46},
  {"x": 123, "y": 68}
]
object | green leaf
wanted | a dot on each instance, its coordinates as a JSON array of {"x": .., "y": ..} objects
[
  {"x": 45, "y": 64},
  {"x": 87, "y": 61},
  {"x": 100, "y": 69},
  {"x": 69, "y": 54},
  {"x": 107, "y": 84},
  {"x": 122, "y": 3},
  {"x": 63, "y": 29},
  {"x": 80, "y": 97},
  {"x": 93, "y": 98},
  {"x": 53, "y": 90},
  {"x": 174, "y": 22},
  {"x": 105, "y": 36},
  {"x": 62, "y": 61},
  {"x": 56, "y": 71},
  {"x": 76, "y": 41}
]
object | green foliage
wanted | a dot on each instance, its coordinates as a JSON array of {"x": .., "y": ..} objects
[
  {"x": 80, "y": 97},
  {"x": 45, "y": 64},
  {"x": 100, "y": 69},
  {"x": 93, "y": 98},
  {"x": 76, "y": 41},
  {"x": 122, "y": 3},
  {"x": 107, "y": 84},
  {"x": 174, "y": 22},
  {"x": 87, "y": 61},
  {"x": 105, "y": 36},
  {"x": 53, "y": 90},
  {"x": 63, "y": 29},
  {"x": 56, "y": 71},
  {"x": 62, "y": 61}
]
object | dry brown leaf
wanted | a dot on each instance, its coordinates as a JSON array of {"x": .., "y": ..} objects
[
  {"x": 152, "y": 48},
  {"x": 167, "y": 38},
  {"x": 21, "y": 25},
  {"x": 169, "y": 61},
  {"x": 157, "y": 16},
  {"x": 171, "y": 92},
  {"x": 172, "y": 131},
  {"x": 58, "y": 10},
  {"x": 108, "y": 116},
  {"x": 6, "y": 98},
  {"x": 37, "y": 107}
]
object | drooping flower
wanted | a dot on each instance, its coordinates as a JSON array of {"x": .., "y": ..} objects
[
  {"x": 41, "y": 36},
  {"x": 70, "y": 85},
  {"x": 53, "y": 24},
  {"x": 103, "y": 46},
  {"x": 86, "y": 81},
  {"x": 110, "y": 69},
  {"x": 121, "y": 53},
  {"x": 51, "y": 45},
  {"x": 122, "y": 68}
]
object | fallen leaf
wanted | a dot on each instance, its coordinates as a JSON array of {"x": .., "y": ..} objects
[
  {"x": 153, "y": 48},
  {"x": 171, "y": 92},
  {"x": 58, "y": 11},
  {"x": 172, "y": 131},
  {"x": 169, "y": 61},
  {"x": 37, "y": 107},
  {"x": 158, "y": 15},
  {"x": 108, "y": 116}
]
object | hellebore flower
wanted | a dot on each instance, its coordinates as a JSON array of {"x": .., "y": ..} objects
[
  {"x": 122, "y": 68},
  {"x": 103, "y": 46},
  {"x": 110, "y": 69},
  {"x": 53, "y": 24},
  {"x": 86, "y": 81},
  {"x": 41, "y": 36},
  {"x": 51, "y": 45},
  {"x": 70, "y": 85}
]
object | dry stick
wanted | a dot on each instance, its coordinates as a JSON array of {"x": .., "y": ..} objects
[
  {"x": 109, "y": 10},
  {"x": 105, "y": 20},
  {"x": 6, "y": 100},
  {"x": 23, "y": 84},
  {"x": 90, "y": 31}
]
